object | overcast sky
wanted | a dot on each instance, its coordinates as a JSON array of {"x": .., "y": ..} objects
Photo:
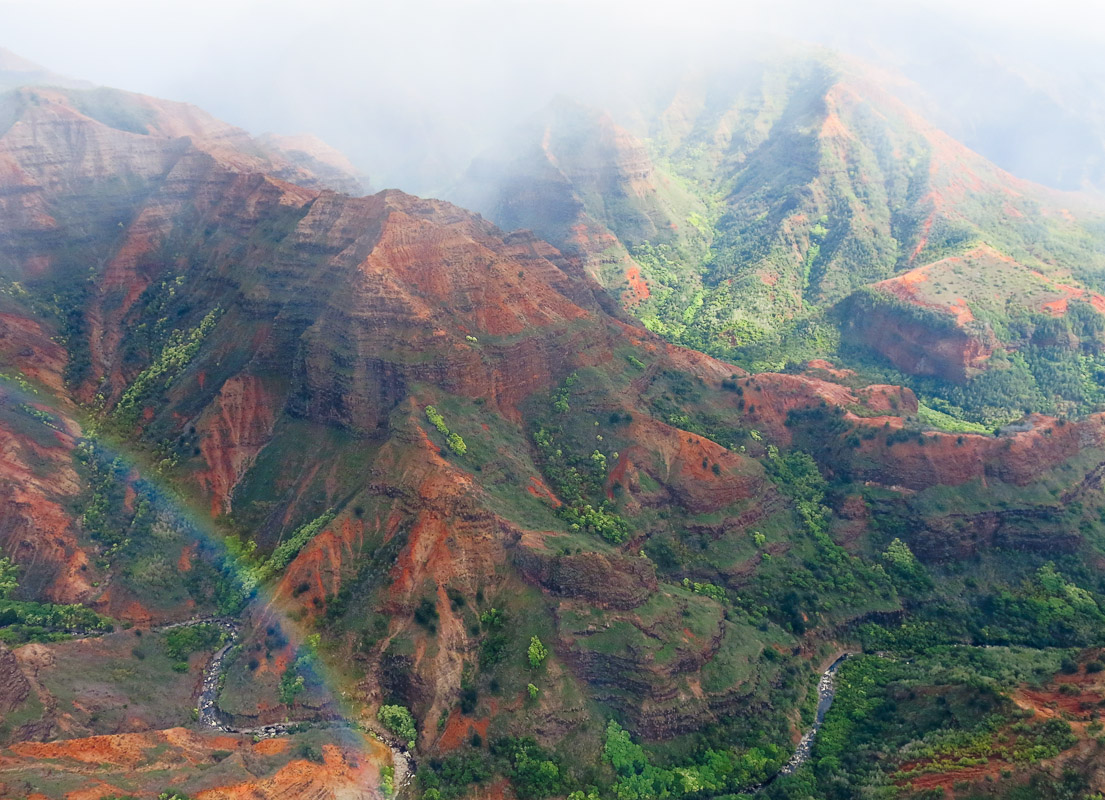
[{"x": 376, "y": 78}]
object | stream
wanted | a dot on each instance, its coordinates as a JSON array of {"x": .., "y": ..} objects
[
  {"x": 826, "y": 691},
  {"x": 211, "y": 718}
]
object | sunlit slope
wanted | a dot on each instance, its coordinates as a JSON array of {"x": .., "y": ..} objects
[{"x": 811, "y": 181}]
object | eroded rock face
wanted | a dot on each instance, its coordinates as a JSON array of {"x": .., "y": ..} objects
[
  {"x": 890, "y": 400},
  {"x": 270, "y": 769},
  {"x": 606, "y": 581},
  {"x": 232, "y": 431},
  {"x": 700, "y": 475},
  {"x": 28, "y": 346},
  {"x": 323, "y": 309},
  {"x": 436, "y": 296},
  {"x": 37, "y": 531},
  {"x": 769, "y": 398},
  {"x": 368, "y": 294},
  {"x": 954, "y": 459},
  {"x": 334, "y": 322},
  {"x": 957, "y": 537},
  {"x": 947, "y": 351},
  {"x": 358, "y": 298},
  {"x": 14, "y": 686}
]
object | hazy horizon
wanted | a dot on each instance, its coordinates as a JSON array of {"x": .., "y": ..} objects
[{"x": 411, "y": 93}]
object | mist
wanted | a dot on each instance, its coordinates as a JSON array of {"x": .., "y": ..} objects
[{"x": 412, "y": 91}]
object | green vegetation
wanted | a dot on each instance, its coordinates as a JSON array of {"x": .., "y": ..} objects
[
  {"x": 536, "y": 653},
  {"x": 893, "y": 720},
  {"x": 798, "y": 595},
  {"x": 182, "y": 642},
  {"x": 29, "y": 621},
  {"x": 577, "y": 479},
  {"x": 104, "y": 514},
  {"x": 292, "y": 683},
  {"x": 290, "y": 547},
  {"x": 9, "y": 580},
  {"x": 452, "y": 439},
  {"x": 251, "y": 572},
  {"x": 904, "y": 568},
  {"x": 600, "y": 521},
  {"x": 716, "y": 772},
  {"x": 534, "y": 772},
  {"x": 933, "y": 418},
  {"x": 578, "y": 476},
  {"x": 26, "y": 621},
  {"x": 767, "y": 270},
  {"x": 398, "y": 720},
  {"x": 1043, "y": 609},
  {"x": 180, "y": 349},
  {"x": 141, "y": 533},
  {"x": 710, "y": 590}
]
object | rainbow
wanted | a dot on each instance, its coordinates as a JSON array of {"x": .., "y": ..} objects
[{"x": 259, "y": 603}]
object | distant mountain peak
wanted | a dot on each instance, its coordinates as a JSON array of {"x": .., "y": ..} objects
[
  {"x": 16, "y": 71},
  {"x": 13, "y": 62}
]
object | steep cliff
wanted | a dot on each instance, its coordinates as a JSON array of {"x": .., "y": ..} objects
[
  {"x": 586, "y": 184},
  {"x": 233, "y": 316},
  {"x": 770, "y": 190},
  {"x": 424, "y": 462}
]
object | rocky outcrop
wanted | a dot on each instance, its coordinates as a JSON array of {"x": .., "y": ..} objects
[
  {"x": 14, "y": 686},
  {"x": 935, "y": 458},
  {"x": 37, "y": 531},
  {"x": 699, "y": 474},
  {"x": 916, "y": 346},
  {"x": 767, "y": 399},
  {"x": 889, "y": 400},
  {"x": 29, "y": 348},
  {"x": 438, "y": 281},
  {"x": 232, "y": 431},
  {"x": 605, "y": 580},
  {"x": 879, "y": 451},
  {"x": 958, "y": 537}
]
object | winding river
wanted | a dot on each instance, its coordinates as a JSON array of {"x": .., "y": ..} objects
[
  {"x": 826, "y": 691},
  {"x": 210, "y": 716}
]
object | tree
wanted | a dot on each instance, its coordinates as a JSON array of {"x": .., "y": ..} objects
[
  {"x": 400, "y": 721},
  {"x": 537, "y": 652},
  {"x": 291, "y": 685},
  {"x": 8, "y": 577},
  {"x": 456, "y": 444}
]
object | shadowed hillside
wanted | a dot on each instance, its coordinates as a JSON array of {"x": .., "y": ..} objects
[{"x": 427, "y": 495}]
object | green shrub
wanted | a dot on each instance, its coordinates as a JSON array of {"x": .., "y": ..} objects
[
  {"x": 537, "y": 652},
  {"x": 182, "y": 642},
  {"x": 400, "y": 721}
]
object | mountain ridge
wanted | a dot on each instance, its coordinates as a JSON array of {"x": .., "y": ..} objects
[{"x": 432, "y": 467}]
